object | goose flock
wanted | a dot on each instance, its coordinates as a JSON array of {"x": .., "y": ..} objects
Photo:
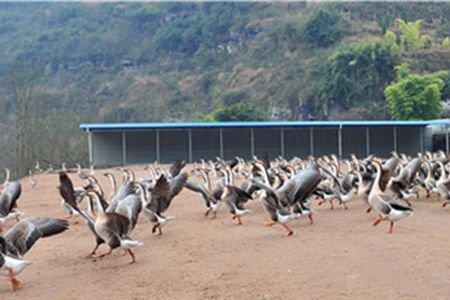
[{"x": 285, "y": 188}]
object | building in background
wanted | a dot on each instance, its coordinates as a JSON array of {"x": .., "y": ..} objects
[{"x": 136, "y": 143}]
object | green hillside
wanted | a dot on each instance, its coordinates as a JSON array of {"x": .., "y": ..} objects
[{"x": 180, "y": 61}]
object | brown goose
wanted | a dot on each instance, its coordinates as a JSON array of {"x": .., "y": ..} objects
[
  {"x": 161, "y": 197},
  {"x": 19, "y": 239},
  {"x": 114, "y": 228},
  {"x": 235, "y": 198}
]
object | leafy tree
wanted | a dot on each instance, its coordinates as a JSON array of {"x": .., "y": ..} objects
[
  {"x": 415, "y": 97},
  {"x": 410, "y": 37},
  {"x": 445, "y": 92},
  {"x": 354, "y": 75},
  {"x": 241, "y": 111},
  {"x": 390, "y": 40},
  {"x": 323, "y": 28},
  {"x": 446, "y": 43}
]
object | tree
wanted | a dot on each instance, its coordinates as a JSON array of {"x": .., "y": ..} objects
[
  {"x": 323, "y": 28},
  {"x": 410, "y": 37},
  {"x": 415, "y": 97},
  {"x": 446, "y": 43},
  {"x": 354, "y": 74},
  {"x": 241, "y": 111},
  {"x": 23, "y": 91}
]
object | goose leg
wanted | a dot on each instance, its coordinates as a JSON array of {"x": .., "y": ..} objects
[
  {"x": 321, "y": 202},
  {"x": 408, "y": 202},
  {"x": 345, "y": 206},
  {"x": 369, "y": 210},
  {"x": 133, "y": 257},
  {"x": 289, "y": 230},
  {"x": 331, "y": 205},
  {"x": 207, "y": 212},
  {"x": 239, "y": 220},
  {"x": 154, "y": 227},
  {"x": 106, "y": 253},
  {"x": 16, "y": 284},
  {"x": 443, "y": 205},
  {"x": 93, "y": 251},
  {"x": 270, "y": 224},
  {"x": 159, "y": 230},
  {"x": 311, "y": 220},
  {"x": 391, "y": 227},
  {"x": 378, "y": 220}
]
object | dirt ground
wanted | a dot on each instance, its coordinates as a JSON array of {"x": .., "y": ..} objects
[{"x": 341, "y": 256}]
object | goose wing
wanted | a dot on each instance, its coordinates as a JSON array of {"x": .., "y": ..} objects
[
  {"x": 177, "y": 184},
  {"x": 239, "y": 197},
  {"x": 125, "y": 189},
  {"x": 159, "y": 196},
  {"x": 176, "y": 168},
  {"x": 22, "y": 236},
  {"x": 198, "y": 188},
  {"x": 130, "y": 207},
  {"x": 66, "y": 190}
]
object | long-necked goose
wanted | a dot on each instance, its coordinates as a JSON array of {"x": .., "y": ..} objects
[
  {"x": 161, "y": 197},
  {"x": 114, "y": 228},
  {"x": 276, "y": 211},
  {"x": 384, "y": 205},
  {"x": 235, "y": 199},
  {"x": 19, "y": 239}
]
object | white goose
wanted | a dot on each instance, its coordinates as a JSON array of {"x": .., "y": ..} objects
[{"x": 385, "y": 205}]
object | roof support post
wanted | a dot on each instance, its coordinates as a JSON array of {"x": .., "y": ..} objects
[
  {"x": 395, "y": 138},
  {"x": 91, "y": 162},
  {"x": 422, "y": 146},
  {"x": 158, "y": 157},
  {"x": 446, "y": 139},
  {"x": 282, "y": 142},
  {"x": 311, "y": 141},
  {"x": 124, "y": 148},
  {"x": 340, "y": 141},
  {"x": 190, "y": 144},
  {"x": 367, "y": 141},
  {"x": 252, "y": 141},
  {"x": 221, "y": 142}
]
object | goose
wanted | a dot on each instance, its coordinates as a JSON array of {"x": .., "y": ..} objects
[
  {"x": 19, "y": 239},
  {"x": 277, "y": 213},
  {"x": 210, "y": 194},
  {"x": 161, "y": 197},
  {"x": 69, "y": 196},
  {"x": 8, "y": 201},
  {"x": 31, "y": 179},
  {"x": 114, "y": 228},
  {"x": 235, "y": 198},
  {"x": 384, "y": 205}
]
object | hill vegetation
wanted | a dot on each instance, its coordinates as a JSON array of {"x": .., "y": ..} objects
[{"x": 65, "y": 63}]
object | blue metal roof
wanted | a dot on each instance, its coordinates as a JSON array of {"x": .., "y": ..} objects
[{"x": 187, "y": 125}]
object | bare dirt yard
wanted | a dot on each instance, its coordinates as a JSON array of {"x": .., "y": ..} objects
[{"x": 341, "y": 256}]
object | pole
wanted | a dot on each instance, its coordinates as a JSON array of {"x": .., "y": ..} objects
[
  {"x": 124, "y": 148},
  {"x": 190, "y": 145},
  {"x": 340, "y": 141},
  {"x": 158, "y": 157},
  {"x": 221, "y": 142},
  {"x": 91, "y": 160},
  {"x": 367, "y": 141}
]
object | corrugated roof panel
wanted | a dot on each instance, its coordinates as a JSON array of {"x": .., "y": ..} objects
[{"x": 186, "y": 125}]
